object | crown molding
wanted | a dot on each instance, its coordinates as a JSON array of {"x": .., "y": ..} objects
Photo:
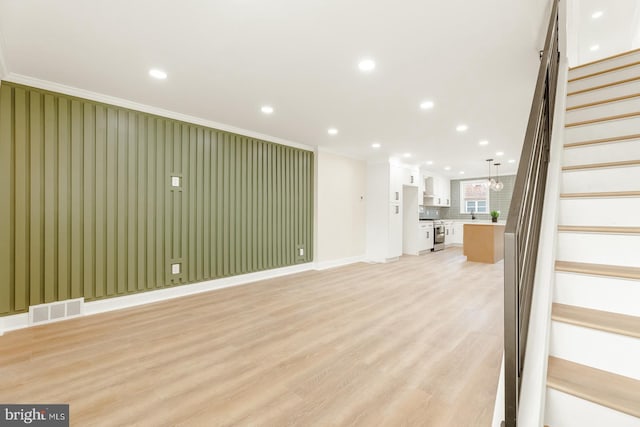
[{"x": 124, "y": 103}]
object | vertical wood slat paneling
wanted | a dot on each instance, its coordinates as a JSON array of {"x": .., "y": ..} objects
[
  {"x": 76, "y": 204},
  {"x": 6, "y": 190},
  {"x": 50, "y": 189},
  {"x": 35, "y": 200},
  {"x": 88, "y": 209},
  {"x": 21, "y": 209},
  {"x": 122, "y": 170},
  {"x": 63, "y": 203},
  {"x": 112, "y": 202}
]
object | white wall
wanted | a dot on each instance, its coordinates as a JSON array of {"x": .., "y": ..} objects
[{"x": 340, "y": 207}]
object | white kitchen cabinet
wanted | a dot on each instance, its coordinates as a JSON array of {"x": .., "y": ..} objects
[
  {"x": 437, "y": 191},
  {"x": 395, "y": 183},
  {"x": 457, "y": 230},
  {"x": 410, "y": 176},
  {"x": 395, "y": 230},
  {"x": 425, "y": 236},
  {"x": 384, "y": 213},
  {"x": 448, "y": 233}
]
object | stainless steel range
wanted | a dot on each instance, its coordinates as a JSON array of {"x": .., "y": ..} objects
[{"x": 438, "y": 235}]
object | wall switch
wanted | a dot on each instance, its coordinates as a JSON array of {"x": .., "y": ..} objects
[
  {"x": 175, "y": 181},
  {"x": 175, "y": 268},
  {"x": 300, "y": 251}
]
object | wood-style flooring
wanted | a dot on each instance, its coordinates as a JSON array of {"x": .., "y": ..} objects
[{"x": 411, "y": 343}]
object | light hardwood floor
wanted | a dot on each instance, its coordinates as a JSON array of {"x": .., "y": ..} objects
[{"x": 411, "y": 343}]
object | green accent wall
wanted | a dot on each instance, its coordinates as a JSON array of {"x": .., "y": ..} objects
[{"x": 87, "y": 206}]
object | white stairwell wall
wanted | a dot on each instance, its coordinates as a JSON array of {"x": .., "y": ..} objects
[{"x": 614, "y": 352}]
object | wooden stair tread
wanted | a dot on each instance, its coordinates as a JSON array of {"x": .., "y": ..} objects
[
  {"x": 598, "y": 229},
  {"x": 604, "y": 101},
  {"x": 603, "y": 119},
  {"x": 597, "y": 61},
  {"x": 596, "y": 319},
  {"x": 597, "y": 386},
  {"x": 618, "y": 271},
  {"x": 616, "y": 83},
  {"x": 599, "y": 195},
  {"x": 602, "y": 165},
  {"x": 603, "y": 140}
]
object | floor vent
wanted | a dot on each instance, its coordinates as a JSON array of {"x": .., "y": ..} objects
[{"x": 54, "y": 311}]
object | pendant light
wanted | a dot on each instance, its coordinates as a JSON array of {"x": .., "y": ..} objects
[
  {"x": 499, "y": 185},
  {"x": 491, "y": 183}
]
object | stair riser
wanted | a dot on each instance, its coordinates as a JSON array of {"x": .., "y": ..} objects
[
  {"x": 610, "y": 352},
  {"x": 612, "y": 249},
  {"x": 598, "y": 293},
  {"x": 565, "y": 410},
  {"x": 603, "y": 94},
  {"x": 600, "y": 130},
  {"x": 600, "y": 180},
  {"x": 603, "y": 79},
  {"x": 617, "y": 212},
  {"x": 631, "y": 105},
  {"x": 598, "y": 153},
  {"x": 605, "y": 65}
]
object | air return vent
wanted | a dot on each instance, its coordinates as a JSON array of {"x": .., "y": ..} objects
[{"x": 54, "y": 311}]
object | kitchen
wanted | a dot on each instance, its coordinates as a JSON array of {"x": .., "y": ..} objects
[{"x": 417, "y": 212}]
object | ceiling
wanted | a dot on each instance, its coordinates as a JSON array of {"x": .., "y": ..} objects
[
  {"x": 225, "y": 59},
  {"x": 616, "y": 30}
]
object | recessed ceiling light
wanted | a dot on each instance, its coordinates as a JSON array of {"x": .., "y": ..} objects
[
  {"x": 447, "y": 168},
  {"x": 462, "y": 128},
  {"x": 158, "y": 74},
  {"x": 594, "y": 47},
  {"x": 512, "y": 161},
  {"x": 267, "y": 109},
  {"x": 597, "y": 14},
  {"x": 461, "y": 172},
  {"x": 367, "y": 65},
  {"x": 483, "y": 142},
  {"x": 499, "y": 153},
  {"x": 406, "y": 155},
  {"x": 429, "y": 163},
  {"x": 426, "y": 105},
  {"x": 376, "y": 145},
  {"x": 332, "y": 131}
]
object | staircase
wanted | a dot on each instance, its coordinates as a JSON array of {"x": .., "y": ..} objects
[{"x": 594, "y": 354}]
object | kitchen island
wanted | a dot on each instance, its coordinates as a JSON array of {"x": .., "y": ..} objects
[{"x": 484, "y": 242}]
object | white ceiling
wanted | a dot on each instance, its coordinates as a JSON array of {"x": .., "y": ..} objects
[{"x": 226, "y": 58}]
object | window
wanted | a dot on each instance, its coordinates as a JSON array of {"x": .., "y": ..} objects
[{"x": 474, "y": 197}]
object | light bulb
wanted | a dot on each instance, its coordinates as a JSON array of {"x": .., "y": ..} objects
[{"x": 499, "y": 186}]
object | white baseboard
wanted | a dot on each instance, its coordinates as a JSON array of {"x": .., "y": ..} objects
[
  {"x": 20, "y": 321},
  {"x": 324, "y": 265}
]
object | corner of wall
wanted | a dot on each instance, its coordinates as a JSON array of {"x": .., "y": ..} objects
[{"x": 4, "y": 70}]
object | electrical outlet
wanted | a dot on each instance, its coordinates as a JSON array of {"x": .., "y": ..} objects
[
  {"x": 175, "y": 268},
  {"x": 300, "y": 251}
]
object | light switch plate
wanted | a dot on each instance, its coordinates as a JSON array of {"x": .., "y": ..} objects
[{"x": 175, "y": 181}]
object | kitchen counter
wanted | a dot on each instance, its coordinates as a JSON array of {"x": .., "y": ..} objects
[{"x": 483, "y": 241}]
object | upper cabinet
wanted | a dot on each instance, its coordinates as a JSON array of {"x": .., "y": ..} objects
[
  {"x": 410, "y": 176},
  {"x": 437, "y": 191},
  {"x": 396, "y": 176}
]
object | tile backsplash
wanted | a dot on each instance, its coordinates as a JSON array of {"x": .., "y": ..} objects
[{"x": 498, "y": 200}]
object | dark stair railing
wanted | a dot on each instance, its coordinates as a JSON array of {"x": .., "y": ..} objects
[{"x": 522, "y": 231}]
